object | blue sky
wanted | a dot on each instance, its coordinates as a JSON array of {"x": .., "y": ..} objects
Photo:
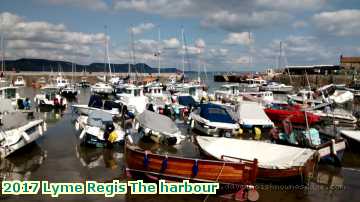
[{"x": 228, "y": 35}]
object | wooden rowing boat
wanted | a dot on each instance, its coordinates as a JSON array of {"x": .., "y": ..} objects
[
  {"x": 275, "y": 162},
  {"x": 139, "y": 161}
]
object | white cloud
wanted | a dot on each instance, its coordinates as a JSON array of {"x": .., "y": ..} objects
[
  {"x": 242, "y": 60},
  {"x": 90, "y": 4},
  {"x": 45, "y": 40},
  {"x": 142, "y": 28},
  {"x": 243, "y": 21},
  {"x": 292, "y": 4},
  {"x": 242, "y": 38},
  {"x": 171, "y": 43},
  {"x": 200, "y": 43},
  {"x": 339, "y": 23},
  {"x": 299, "y": 24},
  {"x": 219, "y": 51}
]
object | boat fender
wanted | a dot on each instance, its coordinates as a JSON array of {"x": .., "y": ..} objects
[
  {"x": 164, "y": 164},
  {"x": 257, "y": 132},
  {"x": 147, "y": 132},
  {"x": 82, "y": 134},
  {"x": 41, "y": 132},
  {"x": 45, "y": 126},
  {"x": 241, "y": 131},
  {"x": 333, "y": 150},
  {"x": 192, "y": 123},
  {"x": 77, "y": 125},
  {"x": 146, "y": 159},
  {"x": 195, "y": 168},
  {"x": 26, "y": 136}
]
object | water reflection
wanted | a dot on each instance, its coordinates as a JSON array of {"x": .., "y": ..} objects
[
  {"x": 21, "y": 164},
  {"x": 100, "y": 157}
]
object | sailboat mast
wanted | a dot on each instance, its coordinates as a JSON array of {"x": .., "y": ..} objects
[
  {"x": 158, "y": 52},
  {"x": 2, "y": 53},
  {"x": 183, "y": 52},
  {"x": 132, "y": 47}
]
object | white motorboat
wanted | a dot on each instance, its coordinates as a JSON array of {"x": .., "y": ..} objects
[
  {"x": 251, "y": 114},
  {"x": 132, "y": 97},
  {"x": 69, "y": 91},
  {"x": 102, "y": 88},
  {"x": 159, "y": 128},
  {"x": 16, "y": 131},
  {"x": 227, "y": 91},
  {"x": 98, "y": 129},
  {"x": 61, "y": 82},
  {"x": 49, "y": 96},
  {"x": 341, "y": 96},
  {"x": 19, "y": 81},
  {"x": 195, "y": 90},
  {"x": 337, "y": 115},
  {"x": 262, "y": 97},
  {"x": 305, "y": 96},
  {"x": 96, "y": 104},
  {"x": 214, "y": 120},
  {"x": 276, "y": 87}
]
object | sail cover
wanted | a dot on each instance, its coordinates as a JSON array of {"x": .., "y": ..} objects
[
  {"x": 271, "y": 156},
  {"x": 157, "y": 122}
]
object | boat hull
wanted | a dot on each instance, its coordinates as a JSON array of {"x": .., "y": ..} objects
[
  {"x": 180, "y": 168},
  {"x": 296, "y": 117}
]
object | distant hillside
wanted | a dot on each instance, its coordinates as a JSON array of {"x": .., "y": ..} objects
[{"x": 25, "y": 64}]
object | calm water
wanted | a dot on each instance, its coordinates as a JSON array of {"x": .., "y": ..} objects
[{"x": 58, "y": 157}]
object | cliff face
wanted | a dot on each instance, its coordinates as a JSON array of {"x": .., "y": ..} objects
[{"x": 26, "y": 64}]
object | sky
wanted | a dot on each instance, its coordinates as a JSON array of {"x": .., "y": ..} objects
[{"x": 218, "y": 35}]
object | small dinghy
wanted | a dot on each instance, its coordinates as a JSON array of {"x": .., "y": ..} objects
[
  {"x": 214, "y": 120},
  {"x": 275, "y": 162},
  {"x": 16, "y": 130},
  {"x": 99, "y": 130},
  {"x": 159, "y": 128}
]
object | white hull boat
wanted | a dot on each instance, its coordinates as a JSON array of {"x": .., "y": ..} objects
[
  {"x": 19, "y": 81},
  {"x": 251, "y": 114},
  {"x": 16, "y": 137},
  {"x": 99, "y": 130},
  {"x": 102, "y": 88},
  {"x": 342, "y": 96},
  {"x": 159, "y": 128}
]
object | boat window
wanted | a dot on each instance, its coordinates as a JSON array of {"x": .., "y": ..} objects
[
  {"x": 137, "y": 92},
  {"x": 10, "y": 93},
  {"x": 192, "y": 91},
  {"x": 217, "y": 111}
]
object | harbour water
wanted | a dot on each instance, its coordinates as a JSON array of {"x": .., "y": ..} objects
[{"x": 58, "y": 157}]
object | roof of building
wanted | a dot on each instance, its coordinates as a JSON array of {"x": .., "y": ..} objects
[{"x": 349, "y": 59}]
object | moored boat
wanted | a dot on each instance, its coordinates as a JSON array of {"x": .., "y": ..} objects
[
  {"x": 139, "y": 161},
  {"x": 275, "y": 162}
]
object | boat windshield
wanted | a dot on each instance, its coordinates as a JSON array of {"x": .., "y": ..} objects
[
  {"x": 136, "y": 92},
  {"x": 10, "y": 93}
]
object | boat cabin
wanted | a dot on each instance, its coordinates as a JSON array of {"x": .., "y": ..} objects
[{"x": 9, "y": 93}]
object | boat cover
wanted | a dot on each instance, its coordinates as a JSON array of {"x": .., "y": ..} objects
[
  {"x": 13, "y": 120},
  {"x": 353, "y": 134},
  {"x": 157, "y": 122},
  {"x": 98, "y": 118},
  {"x": 215, "y": 113},
  {"x": 6, "y": 106},
  {"x": 95, "y": 101},
  {"x": 270, "y": 156},
  {"x": 252, "y": 114}
]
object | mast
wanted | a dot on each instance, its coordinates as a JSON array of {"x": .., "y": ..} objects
[
  {"x": 2, "y": 53},
  {"x": 132, "y": 48},
  {"x": 183, "y": 52},
  {"x": 279, "y": 63},
  {"x": 158, "y": 52}
]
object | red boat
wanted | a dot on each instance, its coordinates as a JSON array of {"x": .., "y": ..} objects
[{"x": 293, "y": 113}]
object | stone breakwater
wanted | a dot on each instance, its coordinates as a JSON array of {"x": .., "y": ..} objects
[{"x": 31, "y": 77}]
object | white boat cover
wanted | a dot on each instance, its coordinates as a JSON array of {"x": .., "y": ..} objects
[
  {"x": 13, "y": 120},
  {"x": 6, "y": 106},
  {"x": 252, "y": 114},
  {"x": 99, "y": 118},
  {"x": 270, "y": 156},
  {"x": 157, "y": 122},
  {"x": 353, "y": 134}
]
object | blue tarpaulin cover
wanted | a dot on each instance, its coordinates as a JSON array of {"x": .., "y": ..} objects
[
  {"x": 186, "y": 100},
  {"x": 215, "y": 113}
]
